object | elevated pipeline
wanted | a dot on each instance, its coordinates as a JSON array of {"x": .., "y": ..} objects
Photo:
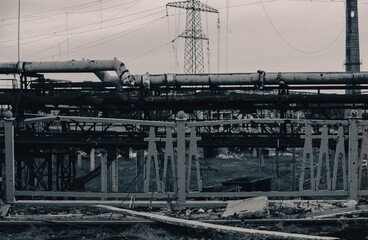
[{"x": 94, "y": 66}]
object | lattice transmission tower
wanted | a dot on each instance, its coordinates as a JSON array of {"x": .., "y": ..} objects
[{"x": 193, "y": 53}]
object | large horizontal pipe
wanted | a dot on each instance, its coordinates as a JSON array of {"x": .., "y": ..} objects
[
  {"x": 67, "y": 67},
  {"x": 257, "y": 78},
  {"x": 234, "y": 101},
  {"x": 261, "y": 78}
]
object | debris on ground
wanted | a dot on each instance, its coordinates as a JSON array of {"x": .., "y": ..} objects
[
  {"x": 220, "y": 228},
  {"x": 251, "y": 207},
  {"x": 350, "y": 204},
  {"x": 338, "y": 212}
]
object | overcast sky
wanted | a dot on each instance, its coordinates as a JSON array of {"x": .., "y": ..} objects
[{"x": 305, "y": 36}]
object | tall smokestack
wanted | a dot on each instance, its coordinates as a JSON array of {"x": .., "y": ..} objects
[{"x": 352, "y": 53}]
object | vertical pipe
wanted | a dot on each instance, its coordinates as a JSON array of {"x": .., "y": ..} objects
[
  {"x": 353, "y": 158},
  {"x": 180, "y": 125},
  {"x": 9, "y": 156}
]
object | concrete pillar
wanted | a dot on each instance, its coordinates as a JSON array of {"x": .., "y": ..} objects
[
  {"x": 79, "y": 161},
  {"x": 54, "y": 170},
  {"x": 180, "y": 125},
  {"x": 115, "y": 173},
  {"x": 9, "y": 157},
  {"x": 92, "y": 159},
  {"x": 104, "y": 172}
]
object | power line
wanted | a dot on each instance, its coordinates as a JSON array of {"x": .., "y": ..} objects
[
  {"x": 62, "y": 32},
  {"x": 148, "y": 52},
  {"x": 26, "y": 43},
  {"x": 100, "y": 8},
  {"x": 291, "y": 45},
  {"x": 116, "y": 36},
  {"x": 77, "y": 34},
  {"x": 60, "y": 13},
  {"x": 54, "y": 12},
  {"x": 247, "y": 4},
  {"x": 111, "y": 38}
]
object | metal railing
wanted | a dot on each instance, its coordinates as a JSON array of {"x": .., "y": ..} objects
[{"x": 319, "y": 174}]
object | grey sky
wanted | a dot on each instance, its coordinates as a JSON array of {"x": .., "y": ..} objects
[{"x": 118, "y": 31}]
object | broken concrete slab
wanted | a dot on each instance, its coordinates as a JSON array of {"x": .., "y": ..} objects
[
  {"x": 257, "y": 206},
  {"x": 4, "y": 210}
]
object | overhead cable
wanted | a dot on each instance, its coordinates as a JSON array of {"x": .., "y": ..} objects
[
  {"x": 291, "y": 45},
  {"x": 62, "y": 32}
]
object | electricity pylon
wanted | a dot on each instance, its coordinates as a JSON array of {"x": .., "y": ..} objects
[{"x": 193, "y": 53}]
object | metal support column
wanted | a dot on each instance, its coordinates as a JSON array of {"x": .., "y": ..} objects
[
  {"x": 353, "y": 156},
  {"x": 180, "y": 126},
  {"x": 139, "y": 170},
  {"x": 9, "y": 156}
]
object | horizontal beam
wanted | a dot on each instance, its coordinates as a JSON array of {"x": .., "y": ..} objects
[
  {"x": 268, "y": 194},
  {"x": 265, "y": 121},
  {"x": 118, "y": 121},
  {"x": 40, "y": 119},
  {"x": 145, "y": 203},
  {"x": 92, "y": 194},
  {"x": 189, "y": 195}
]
